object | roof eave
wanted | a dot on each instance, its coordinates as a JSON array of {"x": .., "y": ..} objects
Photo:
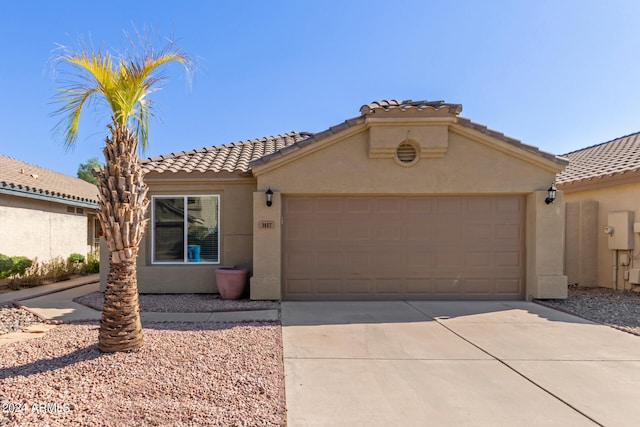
[
  {"x": 517, "y": 148},
  {"x": 57, "y": 198},
  {"x": 601, "y": 181}
]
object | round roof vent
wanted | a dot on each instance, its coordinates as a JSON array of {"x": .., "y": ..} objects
[{"x": 407, "y": 153}]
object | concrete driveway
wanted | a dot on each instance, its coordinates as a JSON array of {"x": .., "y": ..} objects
[{"x": 455, "y": 364}]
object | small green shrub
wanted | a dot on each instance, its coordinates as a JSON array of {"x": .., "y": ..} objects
[
  {"x": 13, "y": 266},
  {"x": 93, "y": 263},
  {"x": 5, "y": 266},
  {"x": 76, "y": 258},
  {"x": 24, "y": 272}
]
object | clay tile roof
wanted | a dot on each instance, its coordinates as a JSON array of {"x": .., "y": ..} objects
[
  {"x": 606, "y": 159},
  {"x": 243, "y": 156},
  {"x": 29, "y": 180},
  {"x": 234, "y": 157},
  {"x": 390, "y": 105}
]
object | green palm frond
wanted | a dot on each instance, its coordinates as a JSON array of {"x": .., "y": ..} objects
[{"x": 124, "y": 83}]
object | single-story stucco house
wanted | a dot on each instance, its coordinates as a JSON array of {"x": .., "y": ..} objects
[
  {"x": 45, "y": 214},
  {"x": 408, "y": 200},
  {"x": 602, "y": 192}
]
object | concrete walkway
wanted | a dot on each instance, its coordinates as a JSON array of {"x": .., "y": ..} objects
[{"x": 455, "y": 364}]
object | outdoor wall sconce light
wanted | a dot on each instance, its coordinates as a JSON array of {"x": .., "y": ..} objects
[
  {"x": 552, "y": 194},
  {"x": 269, "y": 195}
]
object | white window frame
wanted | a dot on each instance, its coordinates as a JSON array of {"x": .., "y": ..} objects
[{"x": 185, "y": 198}]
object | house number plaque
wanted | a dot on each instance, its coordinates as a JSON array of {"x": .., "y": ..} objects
[{"x": 266, "y": 224}]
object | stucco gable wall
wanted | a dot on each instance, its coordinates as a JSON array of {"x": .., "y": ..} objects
[
  {"x": 344, "y": 166},
  {"x": 608, "y": 199}
]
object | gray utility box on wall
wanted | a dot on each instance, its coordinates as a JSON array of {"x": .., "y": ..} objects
[{"x": 620, "y": 230}]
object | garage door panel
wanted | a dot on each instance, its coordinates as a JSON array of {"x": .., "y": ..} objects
[
  {"x": 299, "y": 206},
  {"x": 450, "y": 286},
  {"x": 419, "y": 206},
  {"x": 389, "y": 232},
  {"x": 418, "y": 287},
  {"x": 298, "y": 287},
  {"x": 508, "y": 232},
  {"x": 421, "y": 233},
  {"x": 479, "y": 232},
  {"x": 389, "y": 205},
  {"x": 328, "y": 286},
  {"x": 299, "y": 262},
  {"x": 479, "y": 259},
  {"x": 478, "y": 286},
  {"x": 299, "y": 232},
  {"x": 509, "y": 205},
  {"x": 358, "y": 205},
  {"x": 448, "y": 205},
  {"x": 358, "y": 232},
  {"x": 403, "y": 247},
  {"x": 479, "y": 206},
  {"x": 327, "y": 231},
  {"x": 508, "y": 259},
  {"x": 510, "y": 287}
]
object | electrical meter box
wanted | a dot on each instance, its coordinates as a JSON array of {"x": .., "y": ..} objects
[{"x": 620, "y": 230}]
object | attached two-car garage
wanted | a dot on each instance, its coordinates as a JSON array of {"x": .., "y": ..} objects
[{"x": 365, "y": 248}]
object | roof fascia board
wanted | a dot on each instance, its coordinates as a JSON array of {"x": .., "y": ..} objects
[
  {"x": 165, "y": 178},
  {"x": 295, "y": 151},
  {"x": 49, "y": 198},
  {"x": 195, "y": 175},
  {"x": 556, "y": 166}
]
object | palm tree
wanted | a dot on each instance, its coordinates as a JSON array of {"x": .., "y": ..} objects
[{"x": 125, "y": 83}]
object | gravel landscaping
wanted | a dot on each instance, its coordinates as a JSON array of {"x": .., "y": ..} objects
[
  {"x": 183, "y": 303},
  {"x": 187, "y": 374},
  {"x": 619, "y": 309},
  {"x": 14, "y": 319}
]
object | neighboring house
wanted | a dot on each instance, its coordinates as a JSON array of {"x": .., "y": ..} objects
[
  {"x": 406, "y": 201},
  {"x": 602, "y": 189},
  {"x": 45, "y": 214}
]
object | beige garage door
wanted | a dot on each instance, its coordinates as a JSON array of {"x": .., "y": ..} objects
[{"x": 362, "y": 248}]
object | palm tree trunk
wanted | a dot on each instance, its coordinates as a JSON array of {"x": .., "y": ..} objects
[{"x": 122, "y": 208}]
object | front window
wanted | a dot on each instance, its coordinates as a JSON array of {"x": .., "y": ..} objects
[{"x": 185, "y": 229}]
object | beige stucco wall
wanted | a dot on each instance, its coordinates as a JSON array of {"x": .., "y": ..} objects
[
  {"x": 236, "y": 233},
  {"x": 41, "y": 229},
  {"x": 471, "y": 165},
  {"x": 607, "y": 199},
  {"x": 345, "y": 168}
]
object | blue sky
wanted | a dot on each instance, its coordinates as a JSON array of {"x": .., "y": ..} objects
[{"x": 560, "y": 75}]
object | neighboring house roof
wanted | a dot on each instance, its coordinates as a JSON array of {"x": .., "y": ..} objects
[
  {"x": 19, "y": 178},
  {"x": 243, "y": 156},
  {"x": 608, "y": 159}
]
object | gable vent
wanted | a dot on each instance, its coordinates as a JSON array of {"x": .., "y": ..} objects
[{"x": 406, "y": 153}]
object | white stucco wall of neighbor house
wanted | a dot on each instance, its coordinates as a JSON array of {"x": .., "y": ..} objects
[{"x": 44, "y": 233}]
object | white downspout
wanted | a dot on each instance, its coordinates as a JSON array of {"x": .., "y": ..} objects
[{"x": 615, "y": 269}]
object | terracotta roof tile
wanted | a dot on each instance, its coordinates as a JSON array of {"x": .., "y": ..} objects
[
  {"x": 389, "y": 105},
  {"x": 243, "y": 156},
  {"x": 22, "y": 177},
  {"x": 606, "y": 159},
  {"x": 233, "y": 157}
]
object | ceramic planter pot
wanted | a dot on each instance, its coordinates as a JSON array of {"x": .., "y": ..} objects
[{"x": 231, "y": 281}]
